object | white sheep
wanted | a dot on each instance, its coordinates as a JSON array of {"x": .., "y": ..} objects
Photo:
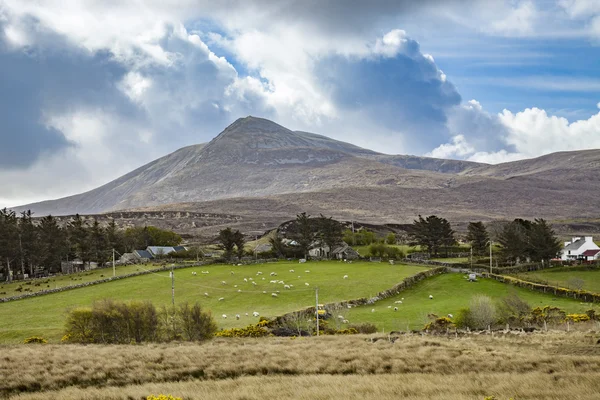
[
  {"x": 206, "y": 294},
  {"x": 263, "y": 279},
  {"x": 239, "y": 265},
  {"x": 307, "y": 271},
  {"x": 345, "y": 321},
  {"x": 349, "y": 305},
  {"x": 224, "y": 316},
  {"x": 264, "y": 292},
  {"x": 430, "y": 297},
  {"x": 245, "y": 280},
  {"x": 306, "y": 284},
  {"x": 258, "y": 273},
  {"x": 340, "y": 317},
  {"x": 272, "y": 281},
  {"x": 292, "y": 271},
  {"x": 194, "y": 273},
  {"x": 372, "y": 310},
  {"x": 277, "y": 291},
  {"x": 205, "y": 272},
  {"x": 281, "y": 282},
  {"x": 250, "y": 279},
  {"x": 234, "y": 286},
  {"x": 395, "y": 308},
  {"x": 345, "y": 276},
  {"x": 273, "y": 274},
  {"x": 246, "y": 314},
  {"x": 239, "y": 290},
  {"x": 223, "y": 283},
  {"x": 286, "y": 286},
  {"x": 450, "y": 316},
  {"x": 254, "y": 283},
  {"x": 274, "y": 295},
  {"x": 255, "y": 314},
  {"x": 389, "y": 306},
  {"x": 237, "y": 316},
  {"x": 398, "y": 302},
  {"x": 221, "y": 298},
  {"x": 232, "y": 273}
]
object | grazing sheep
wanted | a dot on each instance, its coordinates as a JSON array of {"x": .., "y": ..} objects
[
  {"x": 277, "y": 291},
  {"x": 389, "y": 306},
  {"x": 239, "y": 290},
  {"x": 281, "y": 282},
  {"x": 263, "y": 279},
  {"x": 255, "y": 314},
  {"x": 372, "y": 310},
  {"x": 237, "y": 316},
  {"x": 450, "y": 316},
  {"x": 234, "y": 285},
  {"x": 205, "y": 272},
  {"x": 286, "y": 286},
  {"x": 273, "y": 274},
  {"x": 194, "y": 273},
  {"x": 274, "y": 295},
  {"x": 272, "y": 281},
  {"x": 250, "y": 279},
  {"x": 340, "y": 317},
  {"x": 224, "y": 316},
  {"x": 398, "y": 302},
  {"x": 239, "y": 265},
  {"x": 254, "y": 283},
  {"x": 223, "y": 283},
  {"x": 258, "y": 273},
  {"x": 302, "y": 260},
  {"x": 395, "y": 308},
  {"x": 345, "y": 276},
  {"x": 306, "y": 284},
  {"x": 345, "y": 321},
  {"x": 291, "y": 285},
  {"x": 264, "y": 292},
  {"x": 292, "y": 271},
  {"x": 430, "y": 297},
  {"x": 246, "y": 314},
  {"x": 299, "y": 277},
  {"x": 245, "y": 280},
  {"x": 307, "y": 271},
  {"x": 206, "y": 294},
  {"x": 349, "y": 305},
  {"x": 221, "y": 298},
  {"x": 232, "y": 273}
]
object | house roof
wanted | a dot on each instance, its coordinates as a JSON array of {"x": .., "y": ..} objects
[
  {"x": 575, "y": 245},
  {"x": 143, "y": 254},
  {"x": 162, "y": 250},
  {"x": 590, "y": 253}
]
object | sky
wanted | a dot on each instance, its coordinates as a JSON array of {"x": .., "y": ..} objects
[{"x": 92, "y": 89}]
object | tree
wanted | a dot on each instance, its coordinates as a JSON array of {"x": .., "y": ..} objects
[
  {"x": 238, "y": 239},
  {"x": 277, "y": 244},
  {"x": 9, "y": 240},
  {"x": 78, "y": 233},
  {"x": 478, "y": 236},
  {"x": 98, "y": 243},
  {"x": 30, "y": 245},
  {"x": 330, "y": 232},
  {"x": 227, "y": 241},
  {"x": 543, "y": 243},
  {"x": 390, "y": 238},
  {"x": 432, "y": 233},
  {"x": 54, "y": 245},
  {"x": 514, "y": 240},
  {"x": 114, "y": 237},
  {"x": 305, "y": 234}
]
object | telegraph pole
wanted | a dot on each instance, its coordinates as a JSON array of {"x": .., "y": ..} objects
[
  {"x": 114, "y": 269},
  {"x": 317, "y": 308},
  {"x": 491, "y": 243},
  {"x": 173, "y": 285}
]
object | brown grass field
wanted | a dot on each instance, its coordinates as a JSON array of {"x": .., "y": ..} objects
[{"x": 553, "y": 365}]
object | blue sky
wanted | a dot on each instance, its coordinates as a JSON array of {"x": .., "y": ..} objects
[{"x": 90, "y": 90}]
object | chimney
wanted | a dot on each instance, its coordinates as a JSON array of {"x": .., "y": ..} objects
[
  {"x": 567, "y": 243},
  {"x": 589, "y": 239},
  {"x": 576, "y": 239}
]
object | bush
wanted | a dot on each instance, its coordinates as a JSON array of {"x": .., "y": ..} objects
[
  {"x": 483, "y": 312},
  {"x": 196, "y": 324},
  {"x": 163, "y": 397},
  {"x": 365, "y": 328},
  {"x": 249, "y": 331},
  {"x": 578, "y": 317},
  {"x": 464, "y": 319},
  {"x": 35, "y": 339},
  {"x": 439, "y": 325},
  {"x": 512, "y": 309}
]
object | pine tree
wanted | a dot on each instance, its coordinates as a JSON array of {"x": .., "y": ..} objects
[
  {"x": 227, "y": 241},
  {"x": 543, "y": 243},
  {"x": 305, "y": 233},
  {"x": 432, "y": 233},
  {"x": 478, "y": 236},
  {"x": 330, "y": 232},
  {"x": 54, "y": 243}
]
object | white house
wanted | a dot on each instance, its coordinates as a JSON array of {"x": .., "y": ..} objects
[{"x": 580, "y": 249}]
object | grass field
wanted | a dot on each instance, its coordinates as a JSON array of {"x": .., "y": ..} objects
[
  {"x": 589, "y": 280},
  {"x": 45, "y": 315},
  {"x": 10, "y": 289},
  {"x": 451, "y": 292},
  {"x": 548, "y": 366},
  {"x": 364, "y": 250}
]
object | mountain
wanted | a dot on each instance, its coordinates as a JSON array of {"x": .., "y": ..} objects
[
  {"x": 252, "y": 157},
  {"x": 262, "y": 173}
]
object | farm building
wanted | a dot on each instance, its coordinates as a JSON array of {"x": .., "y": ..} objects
[
  {"x": 580, "y": 249},
  {"x": 341, "y": 252}
]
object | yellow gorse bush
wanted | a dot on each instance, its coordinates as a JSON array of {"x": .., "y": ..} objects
[
  {"x": 35, "y": 339},
  {"x": 578, "y": 317},
  {"x": 163, "y": 397}
]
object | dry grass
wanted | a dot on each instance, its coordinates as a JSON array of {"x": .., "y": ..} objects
[{"x": 553, "y": 365}]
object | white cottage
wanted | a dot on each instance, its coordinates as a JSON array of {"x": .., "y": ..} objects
[{"x": 580, "y": 249}]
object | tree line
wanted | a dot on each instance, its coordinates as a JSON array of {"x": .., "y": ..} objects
[{"x": 28, "y": 244}]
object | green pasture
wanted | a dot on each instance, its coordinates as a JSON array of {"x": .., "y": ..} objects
[
  {"x": 45, "y": 315},
  {"x": 450, "y": 292},
  {"x": 586, "y": 280}
]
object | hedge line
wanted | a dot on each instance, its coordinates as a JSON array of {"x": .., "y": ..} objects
[
  {"x": 581, "y": 295},
  {"x": 396, "y": 289}
]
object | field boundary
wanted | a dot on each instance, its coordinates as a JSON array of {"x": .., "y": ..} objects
[
  {"x": 583, "y": 295},
  {"x": 396, "y": 289}
]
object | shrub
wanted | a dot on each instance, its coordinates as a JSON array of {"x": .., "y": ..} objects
[
  {"x": 195, "y": 323},
  {"x": 163, "y": 397},
  {"x": 249, "y": 331},
  {"x": 365, "y": 328},
  {"x": 483, "y": 311},
  {"x": 79, "y": 326},
  {"x": 512, "y": 309},
  {"x": 464, "y": 319},
  {"x": 547, "y": 314},
  {"x": 439, "y": 325},
  {"x": 578, "y": 317},
  {"x": 35, "y": 339}
]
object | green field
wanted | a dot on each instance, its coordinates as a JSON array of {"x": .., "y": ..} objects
[
  {"x": 589, "y": 280},
  {"x": 364, "y": 250},
  {"x": 10, "y": 289},
  {"x": 45, "y": 315},
  {"x": 451, "y": 292}
]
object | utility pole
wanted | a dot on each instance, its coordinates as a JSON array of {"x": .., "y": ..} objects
[
  {"x": 491, "y": 243},
  {"x": 22, "y": 257},
  {"x": 114, "y": 269},
  {"x": 471, "y": 256},
  {"x": 317, "y": 308},
  {"x": 173, "y": 285}
]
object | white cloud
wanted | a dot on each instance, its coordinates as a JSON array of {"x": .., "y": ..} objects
[
  {"x": 518, "y": 21},
  {"x": 458, "y": 147}
]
